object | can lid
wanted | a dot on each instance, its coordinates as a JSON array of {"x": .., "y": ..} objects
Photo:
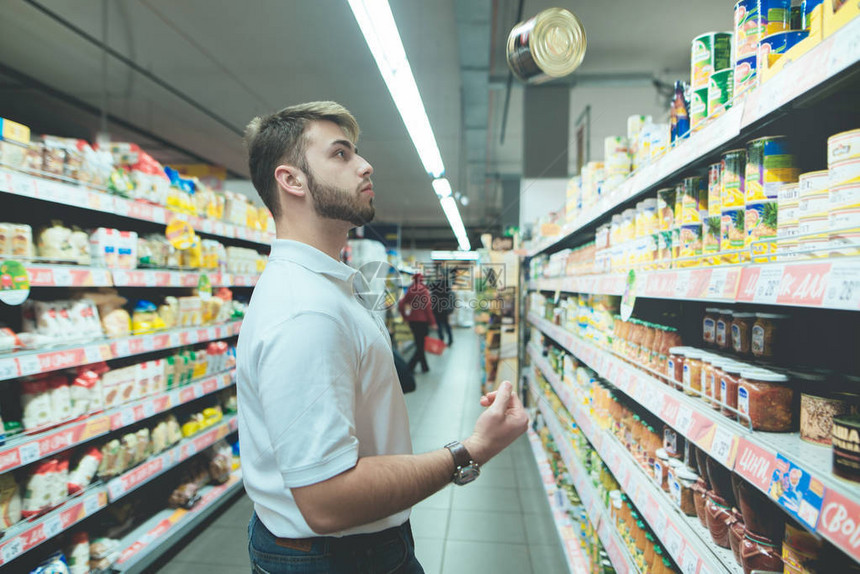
[
  {"x": 557, "y": 42},
  {"x": 763, "y": 375}
]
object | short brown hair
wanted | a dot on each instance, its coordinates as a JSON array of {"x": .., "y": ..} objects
[{"x": 278, "y": 138}]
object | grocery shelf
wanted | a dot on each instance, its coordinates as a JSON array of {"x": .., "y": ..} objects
[
  {"x": 29, "y": 534},
  {"x": 41, "y": 275},
  {"x": 827, "y": 284},
  {"x": 576, "y": 562},
  {"x": 81, "y": 196},
  {"x": 146, "y": 543},
  {"x": 25, "y": 363},
  {"x": 754, "y": 455},
  {"x": 80, "y": 276},
  {"x": 615, "y": 548},
  {"x": 811, "y": 72},
  {"x": 691, "y": 548}
]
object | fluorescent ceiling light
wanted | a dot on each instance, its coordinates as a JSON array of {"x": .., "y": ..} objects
[
  {"x": 454, "y": 255},
  {"x": 442, "y": 187},
  {"x": 380, "y": 32},
  {"x": 449, "y": 206}
]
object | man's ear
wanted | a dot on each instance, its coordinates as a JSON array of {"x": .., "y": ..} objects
[{"x": 291, "y": 179}]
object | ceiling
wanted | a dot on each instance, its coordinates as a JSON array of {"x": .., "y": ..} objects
[{"x": 183, "y": 78}]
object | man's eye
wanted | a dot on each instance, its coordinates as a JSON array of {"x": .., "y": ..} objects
[{"x": 341, "y": 153}]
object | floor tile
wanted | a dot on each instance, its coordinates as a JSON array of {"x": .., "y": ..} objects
[
  {"x": 218, "y": 546},
  {"x": 485, "y": 498},
  {"x": 486, "y": 557},
  {"x": 429, "y": 522},
  {"x": 534, "y": 501},
  {"x": 498, "y": 477},
  {"x": 548, "y": 559},
  {"x": 429, "y": 552},
  {"x": 483, "y": 526},
  {"x": 540, "y": 529},
  {"x": 199, "y": 568}
]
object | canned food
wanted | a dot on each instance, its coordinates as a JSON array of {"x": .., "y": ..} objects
[
  {"x": 788, "y": 230},
  {"x": 747, "y": 28},
  {"x": 843, "y": 146},
  {"x": 771, "y": 48},
  {"x": 845, "y": 218},
  {"x": 698, "y": 107},
  {"x": 813, "y": 15},
  {"x": 813, "y": 234},
  {"x": 694, "y": 202},
  {"x": 714, "y": 190},
  {"x": 770, "y": 164},
  {"x": 712, "y": 231},
  {"x": 549, "y": 45},
  {"x": 691, "y": 241},
  {"x": 732, "y": 229},
  {"x": 666, "y": 208},
  {"x": 847, "y": 243},
  {"x": 788, "y": 215},
  {"x": 844, "y": 172},
  {"x": 789, "y": 192},
  {"x": 745, "y": 76},
  {"x": 812, "y": 182},
  {"x": 710, "y": 52},
  {"x": 786, "y": 250},
  {"x": 733, "y": 173},
  {"x": 720, "y": 90},
  {"x": 760, "y": 223},
  {"x": 843, "y": 196},
  {"x": 775, "y": 16},
  {"x": 813, "y": 203},
  {"x": 679, "y": 202}
]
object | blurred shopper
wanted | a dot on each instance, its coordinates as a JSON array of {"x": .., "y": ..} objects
[
  {"x": 416, "y": 309},
  {"x": 443, "y": 302},
  {"x": 323, "y": 427}
]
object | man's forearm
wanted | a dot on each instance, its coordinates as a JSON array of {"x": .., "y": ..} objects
[{"x": 376, "y": 487}]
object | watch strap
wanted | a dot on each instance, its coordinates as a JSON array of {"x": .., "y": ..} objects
[{"x": 462, "y": 458}]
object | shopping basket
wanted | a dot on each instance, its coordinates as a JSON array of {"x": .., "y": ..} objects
[{"x": 434, "y": 345}]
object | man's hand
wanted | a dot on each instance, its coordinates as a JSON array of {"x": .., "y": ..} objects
[{"x": 504, "y": 420}]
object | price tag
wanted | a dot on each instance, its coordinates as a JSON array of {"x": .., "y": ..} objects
[
  {"x": 116, "y": 488},
  {"x": 843, "y": 287},
  {"x": 148, "y": 343},
  {"x": 29, "y": 452},
  {"x": 52, "y": 527},
  {"x": 122, "y": 348},
  {"x": 717, "y": 283},
  {"x": 175, "y": 340},
  {"x": 767, "y": 287},
  {"x": 845, "y": 49},
  {"x": 148, "y": 409},
  {"x": 12, "y": 549},
  {"x": 28, "y": 365},
  {"x": 62, "y": 277},
  {"x": 673, "y": 542},
  {"x": 91, "y": 505},
  {"x": 92, "y": 354},
  {"x": 660, "y": 522},
  {"x": 126, "y": 416},
  {"x": 684, "y": 421},
  {"x": 8, "y": 369},
  {"x": 721, "y": 448},
  {"x": 690, "y": 562},
  {"x": 682, "y": 284},
  {"x": 121, "y": 278}
]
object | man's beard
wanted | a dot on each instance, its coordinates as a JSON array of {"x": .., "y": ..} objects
[{"x": 336, "y": 203}]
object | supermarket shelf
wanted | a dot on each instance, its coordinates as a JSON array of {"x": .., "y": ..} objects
[
  {"x": 691, "y": 548},
  {"x": 576, "y": 562},
  {"x": 150, "y": 540},
  {"x": 27, "y": 363},
  {"x": 18, "y": 183},
  {"x": 80, "y": 276},
  {"x": 753, "y": 455},
  {"x": 23, "y": 450},
  {"x": 27, "y": 535},
  {"x": 812, "y": 71},
  {"x": 615, "y": 548},
  {"x": 156, "y": 466},
  {"x": 833, "y": 284}
]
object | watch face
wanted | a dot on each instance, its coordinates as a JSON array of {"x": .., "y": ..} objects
[{"x": 468, "y": 474}]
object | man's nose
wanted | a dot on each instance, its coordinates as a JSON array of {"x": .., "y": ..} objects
[{"x": 366, "y": 170}]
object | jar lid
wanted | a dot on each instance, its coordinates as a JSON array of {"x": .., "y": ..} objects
[
  {"x": 712, "y": 310},
  {"x": 743, "y": 315},
  {"x": 724, "y": 362},
  {"x": 675, "y": 463},
  {"x": 726, "y": 311},
  {"x": 679, "y": 350},
  {"x": 695, "y": 353},
  {"x": 763, "y": 375},
  {"x": 687, "y": 475},
  {"x": 615, "y": 495},
  {"x": 772, "y": 316},
  {"x": 661, "y": 454}
]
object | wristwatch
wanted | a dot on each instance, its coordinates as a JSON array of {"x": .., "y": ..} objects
[{"x": 465, "y": 469}]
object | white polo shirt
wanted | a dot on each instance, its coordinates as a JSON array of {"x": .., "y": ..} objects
[{"x": 317, "y": 386}]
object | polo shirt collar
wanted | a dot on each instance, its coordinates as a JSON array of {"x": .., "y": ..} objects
[{"x": 310, "y": 258}]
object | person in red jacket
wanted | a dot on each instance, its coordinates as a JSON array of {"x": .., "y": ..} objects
[{"x": 416, "y": 310}]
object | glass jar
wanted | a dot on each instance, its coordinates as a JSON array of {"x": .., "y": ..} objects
[
  {"x": 672, "y": 443},
  {"x": 760, "y": 553},
  {"x": 661, "y": 469},
  {"x": 670, "y": 339},
  {"x": 702, "y": 463},
  {"x": 731, "y": 376},
  {"x": 675, "y": 366},
  {"x": 654, "y": 361},
  {"x": 708, "y": 377},
  {"x": 764, "y": 338},
  {"x": 716, "y": 376},
  {"x": 709, "y": 326},
  {"x": 718, "y": 515},
  {"x": 741, "y": 331},
  {"x": 648, "y": 335},
  {"x": 766, "y": 399},
  {"x": 693, "y": 372},
  {"x": 686, "y": 480},
  {"x": 736, "y": 535},
  {"x": 700, "y": 497},
  {"x": 637, "y": 332},
  {"x": 722, "y": 335}
]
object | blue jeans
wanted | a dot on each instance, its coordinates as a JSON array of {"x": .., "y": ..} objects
[{"x": 391, "y": 551}]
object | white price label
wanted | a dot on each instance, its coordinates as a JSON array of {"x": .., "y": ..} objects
[
  {"x": 115, "y": 488},
  {"x": 8, "y": 369},
  {"x": 121, "y": 278},
  {"x": 682, "y": 284},
  {"x": 158, "y": 215},
  {"x": 92, "y": 354},
  {"x": 121, "y": 206},
  {"x": 149, "y": 278},
  {"x": 673, "y": 542},
  {"x": 767, "y": 287},
  {"x": 21, "y": 184},
  {"x": 126, "y": 416},
  {"x": 12, "y": 549},
  {"x": 52, "y": 526},
  {"x": 28, "y": 365},
  {"x": 122, "y": 348},
  {"x": 690, "y": 562},
  {"x": 29, "y": 452},
  {"x": 91, "y": 504},
  {"x": 62, "y": 277},
  {"x": 843, "y": 286},
  {"x": 174, "y": 340},
  {"x": 718, "y": 283},
  {"x": 660, "y": 522},
  {"x": 721, "y": 448},
  {"x": 684, "y": 420},
  {"x": 148, "y": 343},
  {"x": 845, "y": 48},
  {"x": 148, "y": 409}
]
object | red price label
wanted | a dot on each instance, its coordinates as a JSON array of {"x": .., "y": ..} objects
[
  {"x": 839, "y": 523},
  {"x": 755, "y": 464},
  {"x": 803, "y": 284},
  {"x": 749, "y": 280}
]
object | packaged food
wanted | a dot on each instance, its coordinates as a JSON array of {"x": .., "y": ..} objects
[
  {"x": 661, "y": 469},
  {"x": 682, "y": 490},
  {"x": 709, "y": 326},
  {"x": 36, "y": 403},
  {"x": 757, "y": 510},
  {"x": 110, "y": 465},
  {"x": 10, "y": 501},
  {"x": 723, "y": 328},
  {"x": 39, "y": 490},
  {"x": 60, "y": 480},
  {"x": 103, "y": 552},
  {"x": 766, "y": 399},
  {"x": 85, "y": 470},
  {"x": 78, "y": 553},
  {"x": 718, "y": 516},
  {"x": 801, "y": 551},
  {"x": 720, "y": 479},
  {"x": 55, "y": 564},
  {"x": 729, "y": 379},
  {"x": 700, "y": 499},
  {"x": 760, "y": 553},
  {"x": 693, "y": 372},
  {"x": 765, "y": 334},
  {"x": 85, "y": 393},
  {"x": 818, "y": 408},
  {"x": 128, "y": 451},
  {"x": 61, "y": 397},
  {"x": 736, "y": 534},
  {"x": 143, "y": 447},
  {"x": 846, "y": 447},
  {"x": 741, "y": 332}
]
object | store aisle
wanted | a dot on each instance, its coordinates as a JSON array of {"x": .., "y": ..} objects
[{"x": 500, "y": 524}]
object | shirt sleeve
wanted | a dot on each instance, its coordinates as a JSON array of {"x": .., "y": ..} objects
[{"x": 308, "y": 368}]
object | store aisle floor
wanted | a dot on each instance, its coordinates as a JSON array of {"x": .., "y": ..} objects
[{"x": 500, "y": 524}]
